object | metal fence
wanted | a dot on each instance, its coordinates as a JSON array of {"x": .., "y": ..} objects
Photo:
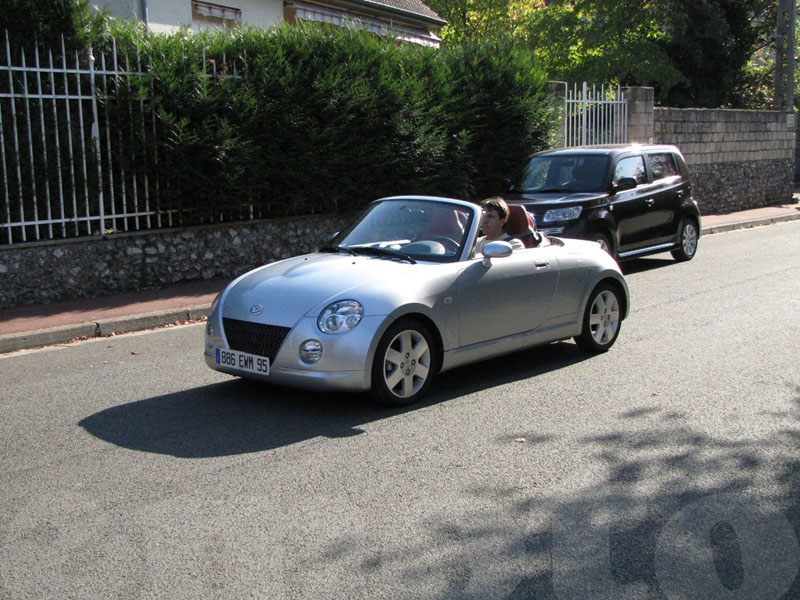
[
  {"x": 593, "y": 116},
  {"x": 79, "y": 151},
  {"x": 62, "y": 147}
]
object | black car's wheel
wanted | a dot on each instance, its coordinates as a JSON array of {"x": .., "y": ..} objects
[
  {"x": 404, "y": 363},
  {"x": 603, "y": 240},
  {"x": 602, "y": 319},
  {"x": 687, "y": 240}
]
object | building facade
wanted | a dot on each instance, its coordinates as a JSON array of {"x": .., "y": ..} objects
[{"x": 407, "y": 20}]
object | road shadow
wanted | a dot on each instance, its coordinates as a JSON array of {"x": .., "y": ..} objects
[
  {"x": 681, "y": 513},
  {"x": 240, "y": 416}
]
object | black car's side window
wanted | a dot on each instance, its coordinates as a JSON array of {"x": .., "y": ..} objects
[
  {"x": 633, "y": 167},
  {"x": 662, "y": 165}
]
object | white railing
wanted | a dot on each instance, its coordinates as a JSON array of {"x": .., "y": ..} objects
[
  {"x": 60, "y": 153},
  {"x": 593, "y": 116},
  {"x": 75, "y": 159}
]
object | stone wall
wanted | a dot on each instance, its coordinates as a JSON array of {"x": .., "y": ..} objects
[
  {"x": 43, "y": 272},
  {"x": 738, "y": 159}
]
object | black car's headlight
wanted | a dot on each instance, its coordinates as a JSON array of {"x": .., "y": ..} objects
[
  {"x": 340, "y": 316},
  {"x": 562, "y": 214}
]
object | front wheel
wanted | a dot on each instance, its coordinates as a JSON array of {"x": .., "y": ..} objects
[
  {"x": 602, "y": 319},
  {"x": 404, "y": 363},
  {"x": 688, "y": 241},
  {"x": 603, "y": 240}
]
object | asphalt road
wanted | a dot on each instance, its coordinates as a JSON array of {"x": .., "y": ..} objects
[{"x": 666, "y": 468}]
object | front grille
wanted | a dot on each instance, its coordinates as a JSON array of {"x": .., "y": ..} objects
[{"x": 254, "y": 338}]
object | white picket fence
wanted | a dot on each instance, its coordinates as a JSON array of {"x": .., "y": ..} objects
[{"x": 595, "y": 116}]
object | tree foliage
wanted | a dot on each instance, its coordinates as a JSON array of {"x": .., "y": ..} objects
[
  {"x": 320, "y": 118},
  {"x": 693, "y": 52},
  {"x": 45, "y": 22}
]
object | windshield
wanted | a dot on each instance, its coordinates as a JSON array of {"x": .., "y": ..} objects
[
  {"x": 562, "y": 173},
  {"x": 419, "y": 229}
]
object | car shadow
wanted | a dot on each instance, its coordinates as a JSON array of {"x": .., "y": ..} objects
[
  {"x": 240, "y": 416},
  {"x": 639, "y": 265}
]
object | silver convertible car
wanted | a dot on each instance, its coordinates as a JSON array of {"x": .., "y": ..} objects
[{"x": 401, "y": 295}]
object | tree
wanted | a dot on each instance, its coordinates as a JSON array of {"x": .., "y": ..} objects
[
  {"x": 481, "y": 20},
  {"x": 693, "y": 52},
  {"x": 44, "y": 22},
  {"x": 603, "y": 41},
  {"x": 723, "y": 46}
]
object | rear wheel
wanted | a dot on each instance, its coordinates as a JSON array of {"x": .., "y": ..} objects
[
  {"x": 404, "y": 363},
  {"x": 602, "y": 319},
  {"x": 687, "y": 240}
]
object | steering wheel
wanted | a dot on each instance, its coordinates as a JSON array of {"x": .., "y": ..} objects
[{"x": 450, "y": 245}]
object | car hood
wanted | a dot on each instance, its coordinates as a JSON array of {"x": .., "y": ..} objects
[
  {"x": 287, "y": 290},
  {"x": 555, "y": 198}
]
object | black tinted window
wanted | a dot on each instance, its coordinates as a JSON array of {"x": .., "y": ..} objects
[
  {"x": 662, "y": 165},
  {"x": 632, "y": 166},
  {"x": 562, "y": 173}
]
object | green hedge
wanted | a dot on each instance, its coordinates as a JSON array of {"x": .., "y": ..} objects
[{"x": 319, "y": 118}]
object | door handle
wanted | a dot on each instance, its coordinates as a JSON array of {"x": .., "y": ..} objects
[
  {"x": 650, "y": 201},
  {"x": 542, "y": 264}
]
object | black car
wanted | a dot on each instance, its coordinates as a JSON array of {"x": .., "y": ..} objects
[{"x": 631, "y": 199}]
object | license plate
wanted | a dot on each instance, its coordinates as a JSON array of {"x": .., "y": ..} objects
[{"x": 242, "y": 361}]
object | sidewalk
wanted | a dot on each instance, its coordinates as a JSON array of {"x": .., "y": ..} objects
[{"x": 47, "y": 324}]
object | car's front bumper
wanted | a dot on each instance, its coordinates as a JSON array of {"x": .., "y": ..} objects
[{"x": 345, "y": 364}]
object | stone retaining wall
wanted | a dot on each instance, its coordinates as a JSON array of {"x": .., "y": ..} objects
[
  {"x": 738, "y": 159},
  {"x": 43, "y": 272}
]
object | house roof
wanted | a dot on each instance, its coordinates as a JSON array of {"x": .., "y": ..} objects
[{"x": 410, "y": 7}]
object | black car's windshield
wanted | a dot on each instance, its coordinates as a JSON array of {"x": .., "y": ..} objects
[
  {"x": 571, "y": 173},
  {"x": 408, "y": 229}
]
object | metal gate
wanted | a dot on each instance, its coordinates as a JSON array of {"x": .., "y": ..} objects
[{"x": 595, "y": 116}]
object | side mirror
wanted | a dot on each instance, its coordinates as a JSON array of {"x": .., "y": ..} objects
[
  {"x": 498, "y": 249},
  {"x": 625, "y": 183}
]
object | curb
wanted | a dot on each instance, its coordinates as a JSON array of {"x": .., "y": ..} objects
[
  {"x": 103, "y": 328},
  {"x": 723, "y": 228}
]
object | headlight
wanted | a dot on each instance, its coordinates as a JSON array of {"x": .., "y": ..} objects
[
  {"x": 562, "y": 214},
  {"x": 340, "y": 316}
]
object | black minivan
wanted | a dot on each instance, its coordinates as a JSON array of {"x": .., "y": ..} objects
[{"x": 632, "y": 199}]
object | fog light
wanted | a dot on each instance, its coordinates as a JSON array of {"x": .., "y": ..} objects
[{"x": 310, "y": 351}]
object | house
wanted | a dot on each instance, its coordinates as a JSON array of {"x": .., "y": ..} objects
[{"x": 408, "y": 20}]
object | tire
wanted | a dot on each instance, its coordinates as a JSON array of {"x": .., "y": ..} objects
[
  {"x": 601, "y": 320},
  {"x": 687, "y": 241},
  {"x": 603, "y": 240},
  {"x": 404, "y": 363}
]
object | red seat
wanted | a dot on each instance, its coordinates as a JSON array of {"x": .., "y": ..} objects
[
  {"x": 445, "y": 222},
  {"x": 521, "y": 225}
]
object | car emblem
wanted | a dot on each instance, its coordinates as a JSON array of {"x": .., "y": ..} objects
[{"x": 256, "y": 309}]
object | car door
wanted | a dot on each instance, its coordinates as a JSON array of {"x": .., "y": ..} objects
[
  {"x": 512, "y": 295},
  {"x": 631, "y": 207},
  {"x": 668, "y": 191}
]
